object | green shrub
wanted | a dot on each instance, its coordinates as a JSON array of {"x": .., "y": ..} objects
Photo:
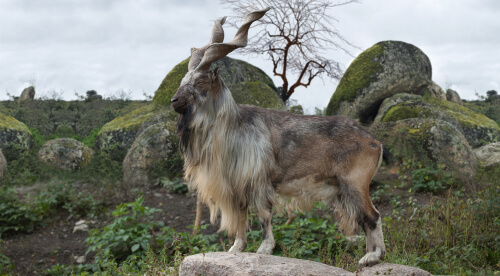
[
  {"x": 90, "y": 139},
  {"x": 128, "y": 236},
  {"x": 16, "y": 216},
  {"x": 449, "y": 236},
  {"x": 63, "y": 195},
  {"x": 425, "y": 178},
  {"x": 176, "y": 186}
]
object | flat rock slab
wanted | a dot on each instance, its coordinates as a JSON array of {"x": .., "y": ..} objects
[
  {"x": 223, "y": 263},
  {"x": 392, "y": 269}
]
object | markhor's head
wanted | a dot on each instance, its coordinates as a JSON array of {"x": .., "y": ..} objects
[{"x": 200, "y": 84}]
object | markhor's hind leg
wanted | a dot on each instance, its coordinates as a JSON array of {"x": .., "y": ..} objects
[
  {"x": 375, "y": 247},
  {"x": 240, "y": 241},
  {"x": 267, "y": 245}
]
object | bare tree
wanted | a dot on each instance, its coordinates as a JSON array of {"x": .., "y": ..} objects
[{"x": 296, "y": 36}]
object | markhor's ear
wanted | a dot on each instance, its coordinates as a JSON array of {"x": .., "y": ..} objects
[{"x": 215, "y": 74}]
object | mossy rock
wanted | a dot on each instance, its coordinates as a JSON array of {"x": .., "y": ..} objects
[
  {"x": 385, "y": 69},
  {"x": 116, "y": 137},
  {"x": 477, "y": 128},
  {"x": 66, "y": 154},
  {"x": 247, "y": 83},
  {"x": 153, "y": 154},
  {"x": 262, "y": 95},
  {"x": 430, "y": 142},
  {"x": 15, "y": 137}
]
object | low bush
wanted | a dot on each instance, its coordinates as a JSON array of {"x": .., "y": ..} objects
[{"x": 16, "y": 216}]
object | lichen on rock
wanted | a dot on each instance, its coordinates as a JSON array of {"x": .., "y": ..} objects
[
  {"x": 154, "y": 153},
  {"x": 119, "y": 134},
  {"x": 66, "y": 154},
  {"x": 15, "y": 137},
  {"x": 477, "y": 128},
  {"x": 430, "y": 142},
  {"x": 246, "y": 82},
  {"x": 385, "y": 69}
]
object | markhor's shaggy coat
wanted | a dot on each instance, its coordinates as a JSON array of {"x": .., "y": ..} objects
[{"x": 238, "y": 156}]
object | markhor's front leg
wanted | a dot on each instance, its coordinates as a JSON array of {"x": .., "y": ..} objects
[{"x": 240, "y": 241}]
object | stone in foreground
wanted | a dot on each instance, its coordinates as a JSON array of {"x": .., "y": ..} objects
[
  {"x": 223, "y": 263},
  {"x": 392, "y": 269}
]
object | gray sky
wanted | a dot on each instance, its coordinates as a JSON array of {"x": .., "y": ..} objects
[{"x": 77, "y": 45}]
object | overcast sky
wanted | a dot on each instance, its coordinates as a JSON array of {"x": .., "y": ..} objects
[{"x": 72, "y": 46}]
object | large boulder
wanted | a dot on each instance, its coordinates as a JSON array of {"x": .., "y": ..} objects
[
  {"x": 488, "y": 155},
  {"x": 153, "y": 153},
  {"x": 429, "y": 142},
  {"x": 27, "y": 94},
  {"x": 65, "y": 154},
  {"x": 477, "y": 128},
  {"x": 385, "y": 69},
  {"x": 230, "y": 264},
  {"x": 223, "y": 263},
  {"x": 452, "y": 96},
  {"x": 15, "y": 137},
  {"x": 3, "y": 166},
  {"x": 248, "y": 84},
  {"x": 116, "y": 137}
]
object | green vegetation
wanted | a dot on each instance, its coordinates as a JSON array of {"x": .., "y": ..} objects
[
  {"x": 70, "y": 119},
  {"x": 18, "y": 216},
  {"x": 129, "y": 234},
  {"x": 455, "y": 235},
  {"x": 490, "y": 109},
  {"x": 357, "y": 77},
  {"x": 452, "y": 234}
]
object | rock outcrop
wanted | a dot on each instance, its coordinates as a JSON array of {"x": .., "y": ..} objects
[
  {"x": 222, "y": 263},
  {"x": 153, "y": 152},
  {"x": 230, "y": 264},
  {"x": 27, "y": 94},
  {"x": 117, "y": 136},
  {"x": 477, "y": 128},
  {"x": 247, "y": 83},
  {"x": 65, "y": 154},
  {"x": 452, "y": 96},
  {"x": 430, "y": 141},
  {"x": 15, "y": 137},
  {"x": 488, "y": 155},
  {"x": 387, "y": 68}
]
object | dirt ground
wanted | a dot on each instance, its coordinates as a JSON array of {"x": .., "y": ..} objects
[{"x": 58, "y": 244}]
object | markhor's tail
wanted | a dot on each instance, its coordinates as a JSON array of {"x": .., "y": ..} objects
[{"x": 386, "y": 155}]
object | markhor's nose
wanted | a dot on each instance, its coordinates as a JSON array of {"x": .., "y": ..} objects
[{"x": 173, "y": 100}]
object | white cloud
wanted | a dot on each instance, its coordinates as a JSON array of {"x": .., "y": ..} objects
[{"x": 109, "y": 45}]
